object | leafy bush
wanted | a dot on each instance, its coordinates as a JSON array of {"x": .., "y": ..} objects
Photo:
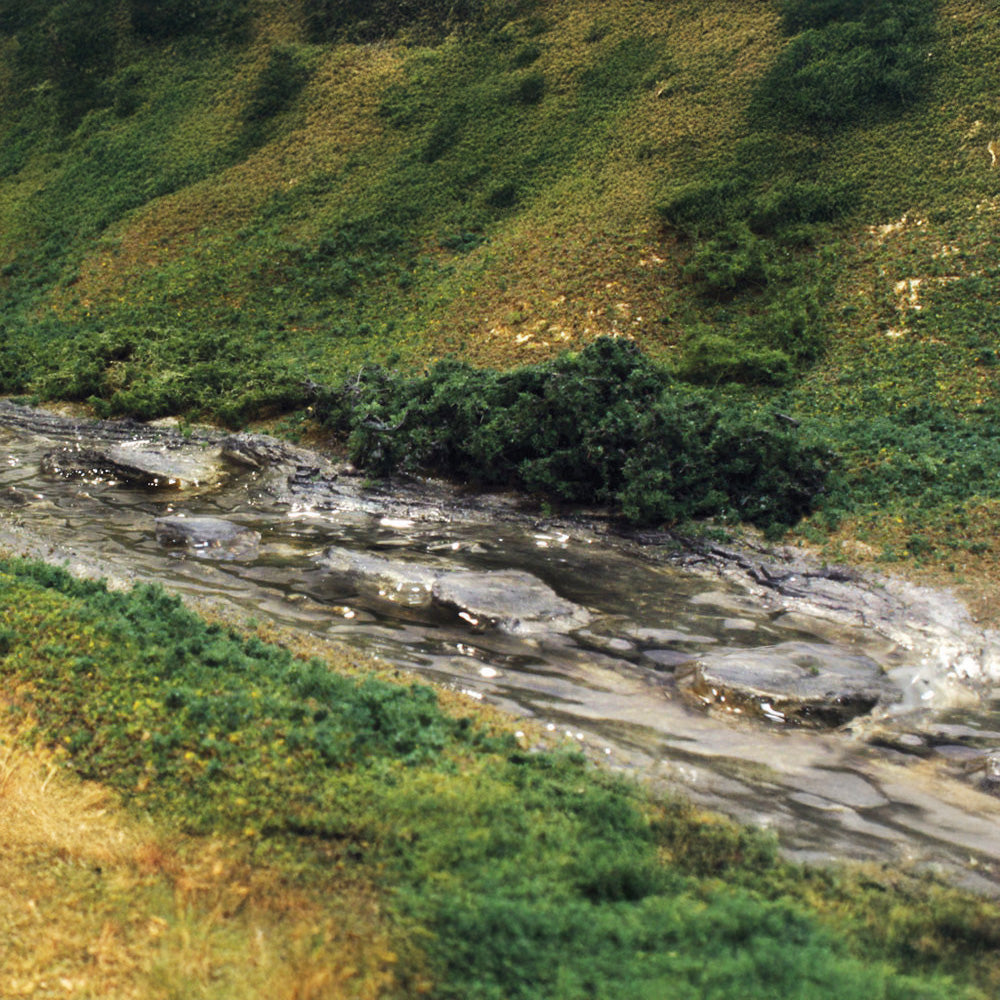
[
  {"x": 850, "y": 58},
  {"x": 604, "y": 426},
  {"x": 711, "y": 357},
  {"x": 705, "y": 205},
  {"x": 279, "y": 83},
  {"x": 155, "y": 372},
  {"x": 732, "y": 261},
  {"x": 159, "y": 20},
  {"x": 790, "y": 203},
  {"x": 65, "y": 49}
]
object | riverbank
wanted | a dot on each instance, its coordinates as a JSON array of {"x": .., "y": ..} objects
[
  {"x": 375, "y": 790},
  {"x": 333, "y": 559}
]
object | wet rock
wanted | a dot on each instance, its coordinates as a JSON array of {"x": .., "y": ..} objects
[
  {"x": 211, "y": 536},
  {"x": 991, "y": 774},
  {"x": 13, "y": 497},
  {"x": 668, "y": 659},
  {"x": 663, "y": 636},
  {"x": 606, "y": 643},
  {"x": 793, "y": 681},
  {"x": 139, "y": 463},
  {"x": 511, "y": 600},
  {"x": 394, "y": 580},
  {"x": 259, "y": 451}
]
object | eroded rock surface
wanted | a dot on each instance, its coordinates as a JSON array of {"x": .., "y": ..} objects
[
  {"x": 793, "y": 681},
  {"x": 395, "y": 580},
  {"x": 510, "y": 600}
]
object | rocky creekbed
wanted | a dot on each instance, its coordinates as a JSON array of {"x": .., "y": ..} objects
[{"x": 855, "y": 715}]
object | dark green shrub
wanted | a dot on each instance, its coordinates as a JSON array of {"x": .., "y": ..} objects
[
  {"x": 790, "y": 202},
  {"x": 732, "y": 261},
  {"x": 445, "y": 132},
  {"x": 279, "y": 83},
  {"x": 369, "y": 20},
  {"x": 797, "y": 15},
  {"x": 841, "y": 67},
  {"x": 277, "y": 86},
  {"x": 706, "y": 205},
  {"x": 159, "y": 20},
  {"x": 529, "y": 89},
  {"x": 68, "y": 49},
  {"x": 502, "y": 196},
  {"x": 604, "y": 426},
  {"x": 526, "y": 55}
]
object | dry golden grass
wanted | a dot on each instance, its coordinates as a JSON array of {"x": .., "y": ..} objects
[
  {"x": 589, "y": 259},
  {"x": 96, "y": 904}
]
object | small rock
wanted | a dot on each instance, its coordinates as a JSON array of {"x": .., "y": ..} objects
[
  {"x": 511, "y": 600},
  {"x": 669, "y": 659},
  {"x": 13, "y": 497},
  {"x": 394, "y": 580},
  {"x": 605, "y": 643},
  {"x": 139, "y": 463}
]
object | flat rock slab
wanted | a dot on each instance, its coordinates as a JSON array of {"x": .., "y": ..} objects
[
  {"x": 512, "y": 600},
  {"x": 139, "y": 463},
  {"x": 209, "y": 536},
  {"x": 793, "y": 681},
  {"x": 394, "y": 580}
]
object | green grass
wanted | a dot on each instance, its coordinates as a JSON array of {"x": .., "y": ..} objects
[{"x": 505, "y": 873}]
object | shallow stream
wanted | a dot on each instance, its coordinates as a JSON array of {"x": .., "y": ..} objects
[{"x": 913, "y": 785}]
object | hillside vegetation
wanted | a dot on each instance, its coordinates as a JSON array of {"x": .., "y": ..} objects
[
  {"x": 322, "y": 835},
  {"x": 224, "y": 209}
]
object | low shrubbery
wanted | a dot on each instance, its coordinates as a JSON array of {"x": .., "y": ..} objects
[
  {"x": 162, "y": 371},
  {"x": 605, "y": 426},
  {"x": 368, "y": 20}
]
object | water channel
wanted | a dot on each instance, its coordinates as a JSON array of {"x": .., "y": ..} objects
[{"x": 909, "y": 784}]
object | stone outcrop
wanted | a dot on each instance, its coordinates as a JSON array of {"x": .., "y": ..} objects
[{"x": 799, "y": 682}]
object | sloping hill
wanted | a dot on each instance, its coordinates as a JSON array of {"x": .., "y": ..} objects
[{"x": 204, "y": 205}]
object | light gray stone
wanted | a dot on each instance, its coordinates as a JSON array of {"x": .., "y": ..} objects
[{"x": 793, "y": 681}]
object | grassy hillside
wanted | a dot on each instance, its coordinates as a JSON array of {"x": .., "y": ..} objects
[
  {"x": 206, "y": 208},
  {"x": 317, "y": 834}
]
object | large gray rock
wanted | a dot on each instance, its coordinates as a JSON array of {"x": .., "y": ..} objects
[
  {"x": 209, "y": 536},
  {"x": 508, "y": 599},
  {"x": 795, "y": 681},
  {"x": 139, "y": 463}
]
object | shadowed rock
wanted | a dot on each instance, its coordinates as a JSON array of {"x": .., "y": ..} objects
[
  {"x": 794, "y": 681},
  {"x": 208, "y": 536}
]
